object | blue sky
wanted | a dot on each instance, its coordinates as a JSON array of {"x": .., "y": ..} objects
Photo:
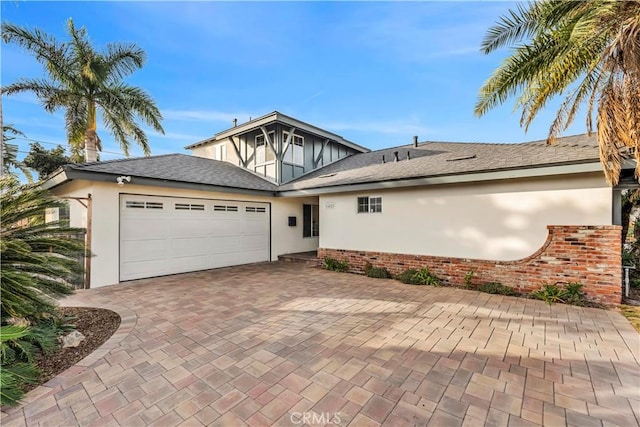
[{"x": 375, "y": 73}]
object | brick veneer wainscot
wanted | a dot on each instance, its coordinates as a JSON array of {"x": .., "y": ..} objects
[{"x": 591, "y": 255}]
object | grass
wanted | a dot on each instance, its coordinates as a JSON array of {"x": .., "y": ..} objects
[{"x": 632, "y": 313}]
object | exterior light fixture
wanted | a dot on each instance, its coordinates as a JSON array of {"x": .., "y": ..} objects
[{"x": 122, "y": 179}]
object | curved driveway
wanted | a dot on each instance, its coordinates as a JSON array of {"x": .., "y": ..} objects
[{"x": 284, "y": 344}]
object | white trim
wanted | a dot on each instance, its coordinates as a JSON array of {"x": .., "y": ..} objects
[{"x": 446, "y": 179}]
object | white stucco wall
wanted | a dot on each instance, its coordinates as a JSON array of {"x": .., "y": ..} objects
[
  {"x": 208, "y": 151},
  {"x": 495, "y": 220},
  {"x": 106, "y": 197}
]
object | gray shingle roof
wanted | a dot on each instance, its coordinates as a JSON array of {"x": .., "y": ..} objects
[
  {"x": 182, "y": 168},
  {"x": 448, "y": 158}
]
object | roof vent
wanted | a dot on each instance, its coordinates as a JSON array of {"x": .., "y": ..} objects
[
  {"x": 395, "y": 155},
  {"x": 329, "y": 175},
  {"x": 461, "y": 158},
  {"x": 415, "y": 140},
  {"x": 408, "y": 155},
  {"x": 235, "y": 122},
  {"x": 383, "y": 161}
]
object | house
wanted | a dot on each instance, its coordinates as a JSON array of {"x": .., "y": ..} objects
[{"x": 523, "y": 214}]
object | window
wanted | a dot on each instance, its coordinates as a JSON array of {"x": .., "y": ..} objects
[
  {"x": 188, "y": 206},
  {"x": 310, "y": 221},
  {"x": 141, "y": 205},
  {"x": 370, "y": 204},
  {"x": 255, "y": 209},
  {"x": 223, "y": 208},
  {"x": 264, "y": 153},
  {"x": 295, "y": 150},
  {"x": 220, "y": 152}
]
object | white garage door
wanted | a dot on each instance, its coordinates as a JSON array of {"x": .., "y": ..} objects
[{"x": 167, "y": 235}]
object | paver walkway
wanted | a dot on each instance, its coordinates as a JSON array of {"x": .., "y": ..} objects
[{"x": 282, "y": 344}]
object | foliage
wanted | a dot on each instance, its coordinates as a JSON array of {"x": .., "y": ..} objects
[
  {"x": 570, "y": 293},
  {"x": 10, "y": 153},
  {"x": 632, "y": 313},
  {"x": 588, "y": 50},
  {"x": 15, "y": 372},
  {"x": 423, "y": 276},
  {"x": 628, "y": 258},
  {"x": 496, "y": 288},
  {"x": 549, "y": 294},
  {"x": 36, "y": 257},
  {"x": 336, "y": 265},
  {"x": 635, "y": 283},
  {"x": 468, "y": 278},
  {"x": 377, "y": 272},
  {"x": 45, "y": 161},
  {"x": 85, "y": 83}
]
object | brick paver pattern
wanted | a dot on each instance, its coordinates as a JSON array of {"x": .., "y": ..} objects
[{"x": 271, "y": 344}]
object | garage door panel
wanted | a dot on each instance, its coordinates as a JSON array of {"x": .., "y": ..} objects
[
  {"x": 164, "y": 235},
  {"x": 144, "y": 250}
]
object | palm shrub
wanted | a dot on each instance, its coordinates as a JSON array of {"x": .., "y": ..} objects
[
  {"x": 17, "y": 371},
  {"x": 37, "y": 257}
]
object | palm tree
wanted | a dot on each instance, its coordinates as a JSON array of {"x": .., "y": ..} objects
[
  {"x": 10, "y": 153},
  {"x": 590, "y": 50},
  {"x": 86, "y": 83},
  {"x": 37, "y": 259}
]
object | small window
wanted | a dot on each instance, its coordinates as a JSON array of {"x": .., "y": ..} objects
[
  {"x": 182, "y": 206},
  {"x": 254, "y": 209},
  {"x": 370, "y": 204},
  {"x": 295, "y": 150},
  {"x": 263, "y": 151},
  {"x": 224, "y": 208},
  {"x": 310, "y": 221},
  {"x": 249, "y": 209},
  {"x": 154, "y": 205},
  {"x": 197, "y": 207},
  {"x": 134, "y": 205}
]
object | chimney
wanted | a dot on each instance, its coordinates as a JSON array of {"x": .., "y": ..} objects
[
  {"x": 235, "y": 122},
  {"x": 395, "y": 154},
  {"x": 415, "y": 141}
]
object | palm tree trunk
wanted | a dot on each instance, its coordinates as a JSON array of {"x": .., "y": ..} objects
[
  {"x": 91, "y": 146},
  {"x": 91, "y": 137}
]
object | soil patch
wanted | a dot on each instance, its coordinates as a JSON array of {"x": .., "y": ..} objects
[{"x": 96, "y": 324}]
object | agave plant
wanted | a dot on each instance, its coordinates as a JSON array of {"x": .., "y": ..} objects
[{"x": 37, "y": 258}]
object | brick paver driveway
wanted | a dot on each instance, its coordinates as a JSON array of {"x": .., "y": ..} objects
[{"x": 288, "y": 345}]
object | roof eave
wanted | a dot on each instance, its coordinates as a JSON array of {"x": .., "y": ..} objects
[
  {"x": 74, "y": 174},
  {"x": 533, "y": 172}
]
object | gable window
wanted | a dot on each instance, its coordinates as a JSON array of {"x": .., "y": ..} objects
[
  {"x": 370, "y": 204},
  {"x": 295, "y": 150},
  {"x": 264, "y": 153},
  {"x": 310, "y": 221},
  {"x": 220, "y": 152}
]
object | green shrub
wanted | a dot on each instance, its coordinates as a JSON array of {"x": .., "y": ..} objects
[
  {"x": 16, "y": 359},
  {"x": 634, "y": 283},
  {"x": 468, "y": 278},
  {"x": 496, "y": 288},
  {"x": 570, "y": 293},
  {"x": 418, "y": 277},
  {"x": 336, "y": 265},
  {"x": 378, "y": 273}
]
